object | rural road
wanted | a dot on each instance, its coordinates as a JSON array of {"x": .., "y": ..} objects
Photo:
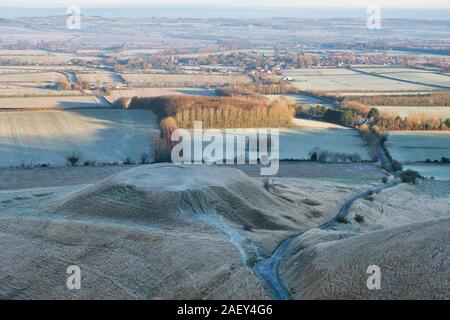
[{"x": 267, "y": 269}]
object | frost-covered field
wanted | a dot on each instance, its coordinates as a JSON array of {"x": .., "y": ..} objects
[
  {"x": 53, "y": 102},
  {"x": 422, "y": 76},
  {"x": 175, "y": 80},
  {"x": 40, "y": 69},
  {"x": 23, "y": 53},
  {"x": 331, "y": 79},
  {"x": 156, "y": 92},
  {"x": 438, "y": 172},
  {"x": 408, "y": 111},
  {"x": 50, "y": 137},
  {"x": 137, "y": 52},
  {"x": 299, "y": 98},
  {"x": 297, "y": 142},
  {"x": 410, "y": 146},
  {"x": 377, "y": 93},
  {"x": 102, "y": 77},
  {"x": 35, "y": 92},
  {"x": 38, "y": 59},
  {"x": 31, "y": 77}
]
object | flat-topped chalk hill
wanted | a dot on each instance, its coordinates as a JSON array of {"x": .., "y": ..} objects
[{"x": 170, "y": 194}]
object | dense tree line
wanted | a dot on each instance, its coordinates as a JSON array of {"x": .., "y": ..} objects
[
  {"x": 356, "y": 112},
  {"x": 432, "y": 99},
  {"x": 252, "y": 88},
  {"x": 415, "y": 122},
  {"x": 347, "y": 117},
  {"x": 319, "y": 155},
  {"x": 219, "y": 112}
]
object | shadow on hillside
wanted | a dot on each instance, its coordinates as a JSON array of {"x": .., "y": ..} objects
[{"x": 104, "y": 136}]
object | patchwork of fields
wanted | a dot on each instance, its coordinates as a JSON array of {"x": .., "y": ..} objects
[{"x": 50, "y": 137}]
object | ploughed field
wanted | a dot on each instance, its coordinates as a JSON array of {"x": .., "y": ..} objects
[{"x": 50, "y": 137}]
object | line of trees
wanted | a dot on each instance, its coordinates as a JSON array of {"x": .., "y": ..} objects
[
  {"x": 319, "y": 155},
  {"x": 432, "y": 99},
  {"x": 219, "y": 112},
  {"x": 259, "y": 88},
  {"x": 393, "y": 122},
  {"x": 389, "y": 121}
]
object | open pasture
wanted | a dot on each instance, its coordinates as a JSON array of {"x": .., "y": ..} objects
[
  {"x": 334, "y": 79},
  {"x": 412, "y": 146},
  {"x": 50, "y": 137}
]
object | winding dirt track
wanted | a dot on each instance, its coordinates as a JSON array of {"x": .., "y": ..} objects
[{"x": 268, "y": 269}]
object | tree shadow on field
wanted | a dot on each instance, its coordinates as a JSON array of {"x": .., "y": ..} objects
[{"x": 91, "y": 135}]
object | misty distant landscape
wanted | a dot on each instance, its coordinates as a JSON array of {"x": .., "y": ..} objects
[{"x": 354, "y": 118}]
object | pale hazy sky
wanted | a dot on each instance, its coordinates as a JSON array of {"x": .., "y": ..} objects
[{"x": 407, "y": 4}]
